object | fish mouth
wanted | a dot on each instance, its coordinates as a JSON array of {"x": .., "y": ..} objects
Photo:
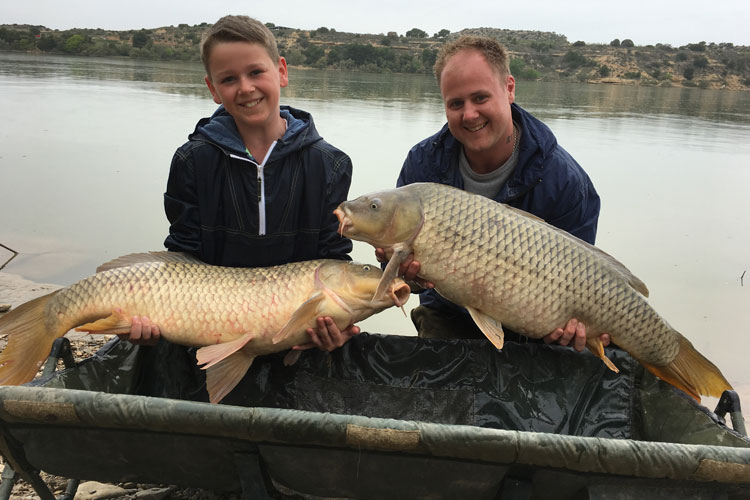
[
  {"x": 345, "y": 222},
  {"x": 400, "y": 294}
]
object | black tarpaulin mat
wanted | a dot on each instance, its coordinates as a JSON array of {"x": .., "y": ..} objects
[{"x": 525, "y": 387}]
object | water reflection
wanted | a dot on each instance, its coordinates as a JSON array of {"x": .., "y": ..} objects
[
  {"x": 569, "y": 100},
  {"x": 334, "y": 85},
  {"x": 546, "y": 99},
  {"x": 171, "y": 76}
]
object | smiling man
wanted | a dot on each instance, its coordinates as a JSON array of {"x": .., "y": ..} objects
[{"x": 492, "y": 147}]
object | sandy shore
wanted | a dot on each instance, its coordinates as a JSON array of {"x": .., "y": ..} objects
[{"x": 15, "y": 290}]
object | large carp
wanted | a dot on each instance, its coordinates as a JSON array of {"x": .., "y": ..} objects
[
  {"x": 510, "y": 268},
  {"x": 233, "y": 314}
]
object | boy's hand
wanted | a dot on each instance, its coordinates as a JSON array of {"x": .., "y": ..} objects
[
  {"x": 576, "y": 331},
  {"x": 327, "y": 336},
  {"x": 142, "y": 332}
]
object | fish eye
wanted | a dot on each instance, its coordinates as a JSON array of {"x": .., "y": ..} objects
[
  {"x": 366, "y": 268},
  {"x": 375, "y": 204}
]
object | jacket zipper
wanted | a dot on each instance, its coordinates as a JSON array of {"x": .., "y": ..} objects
[{"x": 261, "y": 195}]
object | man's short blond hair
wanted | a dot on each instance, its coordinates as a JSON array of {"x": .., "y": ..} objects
[
  {"x": 493, "y": 51},
  {"x": 237, "y": 29}
]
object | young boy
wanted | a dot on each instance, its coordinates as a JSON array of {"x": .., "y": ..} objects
[{"x": 255, "y": 185}]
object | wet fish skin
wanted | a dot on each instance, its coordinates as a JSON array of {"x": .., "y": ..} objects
[
  {"x": 233, "y": 314},
  {"x": 509, "y": 268}
]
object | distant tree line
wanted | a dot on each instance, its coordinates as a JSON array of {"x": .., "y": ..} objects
[
  {"x": 362, "y": 57},
  {"x": 88, "y": 42},
  {"x": 534, "y": 55}
]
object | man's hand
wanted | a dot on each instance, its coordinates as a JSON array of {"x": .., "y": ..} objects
[
  {"x": 574, "y": 331},
  {"x": 408, "y": 269},
  {"x": 327, "y": 336},
  {"x": 142, "y": 332}
]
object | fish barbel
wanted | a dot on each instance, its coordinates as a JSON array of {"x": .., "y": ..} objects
[
  {"x": 510, "y": 268},
  {"x": 232, "y": 314}
]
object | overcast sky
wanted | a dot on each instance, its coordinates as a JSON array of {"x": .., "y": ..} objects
[{"x": 593, "y": 21}]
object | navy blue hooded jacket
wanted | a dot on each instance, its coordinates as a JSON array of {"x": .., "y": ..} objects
[
  {"x": 546, "y": 182},
  {"x": 226, "y": 209}
]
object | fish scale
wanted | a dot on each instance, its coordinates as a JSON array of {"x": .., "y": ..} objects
[
  {"x": 508, "y": 267},
  {"x": 550, "y": 266},
  {"x": 156, "y": 289}
]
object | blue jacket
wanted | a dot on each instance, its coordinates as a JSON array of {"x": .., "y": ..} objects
[
  {"x": 215, "y": 208},
  {"x": 547, "y": 181}
]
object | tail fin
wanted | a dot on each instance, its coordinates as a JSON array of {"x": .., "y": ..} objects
[
  {"x": 29, "y": 342},
  {"x": 691, "y": 372}
]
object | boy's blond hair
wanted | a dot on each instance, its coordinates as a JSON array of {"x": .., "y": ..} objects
[
  {"x": 493, "y": 51},
  {"x": 237, "y": 29}
]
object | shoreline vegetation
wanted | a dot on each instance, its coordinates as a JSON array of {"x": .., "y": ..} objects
[{"x": 535, "y": 55}]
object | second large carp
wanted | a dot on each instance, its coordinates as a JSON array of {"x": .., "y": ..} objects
[
  {"x": 232, "y": 314},
  {"x": 509, "y": 268}
]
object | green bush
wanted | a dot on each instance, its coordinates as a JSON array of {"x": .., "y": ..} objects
[
  {"x": 700, "y": 62},
  {"x": 416, "y": 33},
  {"x": 428, "y": 57},
  {"x": 294, "y": 57},
  {"x": 140, "y": 39},
  {"x": 73, "y": 44},
  {"x": 313, "y": 53},
  {"x": 574, "y": 59},
  {"x": 47, "y": 43},
  {"x": 520, "y": 70}
]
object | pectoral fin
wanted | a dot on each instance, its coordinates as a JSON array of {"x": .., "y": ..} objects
[
  {"x": 491, "y": 328},
  {"x": 301, "y": 317},
  {"x": 291, "y": 357},
  {"x": 595, "y": 345},
  {"x": 212, "y": 354},
  {"x": 223, "y": 376},
  {"x": 400, "y": 253},
  {"x": 111, "y": 325}
]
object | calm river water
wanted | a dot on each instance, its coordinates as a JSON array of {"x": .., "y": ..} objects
[{"x": 86, "y": 145}]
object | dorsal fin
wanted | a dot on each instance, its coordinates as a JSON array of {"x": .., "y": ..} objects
[
  {"x": 638, "y": 285},
  {"x": 137, "y": 258},
  {"x": 635, "y": 282},
  {"x": 524, "y": 213}
]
